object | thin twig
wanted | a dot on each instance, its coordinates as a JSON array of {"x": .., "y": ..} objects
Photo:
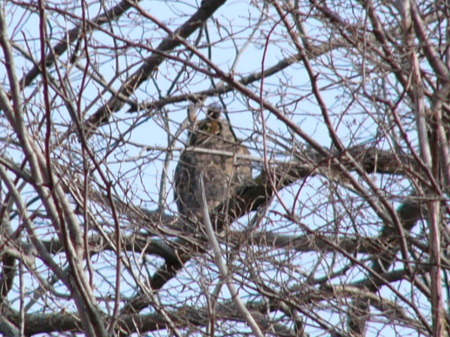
[{"x": 224, "y": 274}]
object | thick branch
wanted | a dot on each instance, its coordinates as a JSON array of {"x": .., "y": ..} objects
[
  {"x": 252, "y": 197},
  {"x": 185, "y": 317}
]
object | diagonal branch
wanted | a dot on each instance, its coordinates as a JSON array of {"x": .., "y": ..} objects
[
  {"x": 151, "y": 63},
  {"x": 313, "y": 52},
  {"x": 73, "y": 35}
]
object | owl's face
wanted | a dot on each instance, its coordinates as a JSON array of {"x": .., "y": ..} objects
[{"x": 207, "y": 131}]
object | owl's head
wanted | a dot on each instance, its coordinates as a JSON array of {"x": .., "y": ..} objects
[{"x": 211, "y": 129}]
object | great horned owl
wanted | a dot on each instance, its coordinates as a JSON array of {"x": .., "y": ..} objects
[{"x": 211, "y": 149}]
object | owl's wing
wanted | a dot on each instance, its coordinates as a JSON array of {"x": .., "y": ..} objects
[
  {"x": 244, "y": 166},
  {"x": 179, "y": 177},
  {"x": 184, "y": 191}
]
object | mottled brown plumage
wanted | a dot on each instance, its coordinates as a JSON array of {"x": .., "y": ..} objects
[{"x": 223, "y": 173}]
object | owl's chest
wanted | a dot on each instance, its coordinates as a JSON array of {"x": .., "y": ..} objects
[
  {"x": 221, "y": 170},
  {"x": 207, "y": 162}
]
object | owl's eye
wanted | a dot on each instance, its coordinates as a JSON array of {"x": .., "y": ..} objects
[
  {"x": 206, "y": 127},
  {"x": 211, "y": 128}
]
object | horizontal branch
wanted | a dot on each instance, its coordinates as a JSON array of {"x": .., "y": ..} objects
[
  {"x": 185, "y": 317},
  {"x": 143, "y": 244}
]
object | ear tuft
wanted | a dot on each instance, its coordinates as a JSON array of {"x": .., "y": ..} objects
[
  {"x": 192, "y": 112},
  {"x": 214, "y": 111}
]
